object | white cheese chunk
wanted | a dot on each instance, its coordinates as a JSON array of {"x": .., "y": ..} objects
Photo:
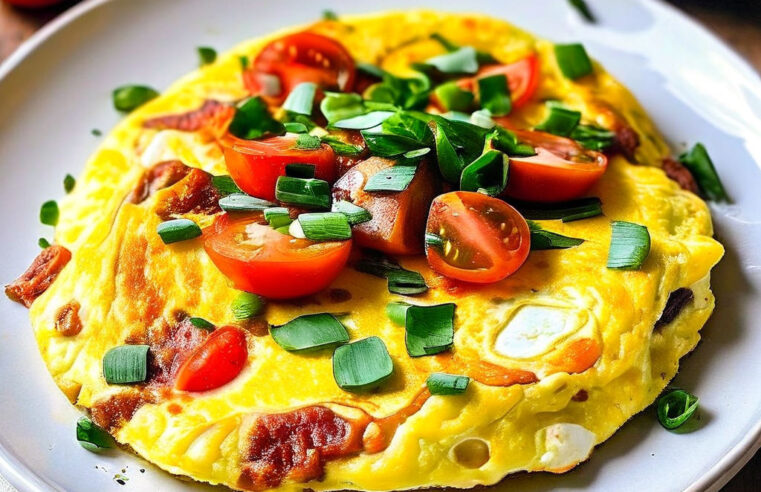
[
  {"x": 564, "y": 446},
  {"x": 535, "y": 330}
]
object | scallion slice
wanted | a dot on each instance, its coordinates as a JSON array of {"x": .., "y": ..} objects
[
  {"x": 247, "y": 305},
  {"x": 244, "y": 62},
  {"x": 342, "y": 148},
  {"x": 434, "y": 240},
  {"x": 338, "y": 106},
  {"x": 43, "y": 243},
  {"x": 308, "y": 193},
  {"x": 450, "y": 163},
  {"x": 201, "y": 323},
  {"x": 430, "y": 329},
  {"x": 240, "y": 202},
  {"x": 91, "y": 437},
  {"x": 397, "y": 312},
  {"x": 363, "y": 121},
  {"x": 699, "y": 163},
  {"x": 126, "y": 364},
  {"x": 583, "y": 208},
  {"x": 384, "y": 145},
  {"x": 573, "y": 60},
  {"x": 295, "y": 127},
  {"x": 583, "y": 9},
  {"x": 592, "y": 137},
  {"x": 206, "y": 55},
  {"x": 130, "y": 97},
  {"x": 440, "y": 383},
  {"x": 325, "y": 226},
  {"x": 49, "y": 213},
  {"x": 675, "y": 408},
  {"x": 488, "y": 173},
  {"x": 400, "y": 281},
  {"x": 298, "y": 170},
  {"x": 362, "y": 365},
  {"x": 277, "y": 217},
  {"x": 301, "y": 98},
  {"x": 329, "y": 15},
  {"x": 253, "y": 120},
  {"x": 453, "y": 97},
  {"x": 541, "y": 239},
  {"x": 629, "y": 246},
  {"x": 494, "y": 94},
  {"x": 354, "y": 213},
  {"x": 225, "y": 185},
  {"x": 561, "y": 120},
  {"x": 176, "y": 230},
  {"x": 310, "y": 332},
  {"x": 68, "y": 183},
  {"x": 395, "y": 178},
  {"x": 462, "y": 60}
]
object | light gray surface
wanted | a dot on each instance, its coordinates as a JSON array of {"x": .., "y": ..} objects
[{"x": 693, "y": 87}]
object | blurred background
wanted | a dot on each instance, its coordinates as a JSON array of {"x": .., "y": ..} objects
[{"x": 737, "y": 22}]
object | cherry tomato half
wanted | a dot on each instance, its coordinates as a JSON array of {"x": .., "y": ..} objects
[
  {"x": 261, "y": 260},
  {"x": 483, "y": 239},
  {"x": 214, "y": 363},
  {"x": 303, "y": 57},
  {"x": 522, "y": 78},
  {"x": 255, "y": 165},
  {"x": 561, "y": 169}
]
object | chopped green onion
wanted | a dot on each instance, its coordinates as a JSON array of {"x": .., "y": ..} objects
[
  {"x": 309, "y": 193},
  {"x": 506, "y": 141},
  {"x": 453, "y": 97},
  {"x": 430, "y": 329},
  {"x": 541, "y": 239},
  {"x": 363, "y": 121},
  {"x": 394, "y": 178},
  {"x": 494, "y": 94},
  {"x": 277, "y": 217},
  {"x": 247, "y": 305},
  {"x": 176, "y": 230},
  {"x": 434, "y": 240},
  {"x": 592, "y": 137},
  {"x": 416, "y": 154},
  {"x": 240, "y": 202},
  {"x": 308, "y": 142},
  {"x": 207, "y": 55},
  {"x": 225, "y": 185},
  {"x": 342, "y": 148},
  {"x": 629, "y": 246},
  {"x": 126, "y": 364},
  {"x": 310, "y": 332},
  {"x": 400, "y": 281},
  {"x": 397, "y": 312},
  {"x": 91, "y": 437},
  {"x": 201, "y": 323},
  {"x": 489, "y": 173},
  {"x": 96, "y": 133},
  {"x": 49, "y": 213},
  {"x": 675, "y": 408},
  {"x": 325, "y": 226},
  {"x": 295, "y": 127},
  {"x": 699, "y": 163},
  {"x": 68, "y": 183},
  {"x": 440, "y": 383},
  {"x": 384, "y": 145},
  {"x": 43, "y": 243},
  {"x": 286, "y": 229},
  {"x": 561, "y": 120},
  {"x": 450, "y": 164},
  {"x": 301, "y": 98},
  {"x": 129, "y": 97},
  {"x": 354, "y": 213},
  {"x": 244, "y": 62},
  {"x": 462, "y": 60},
  {"x": 583, "y": 9},
  {"x": 404, "y": 124},
  {"x": 341, "y": 106},
  {"x": 482, "y": 57},
  {"x": 297, "y": 170},
  {"x": 573, "y": 60},
  {"x": 362, "y": 365},
  {"x": 329, "y": 15},
  {"x": 253, "y": 120},
  {"x": 583, "y": 208}
]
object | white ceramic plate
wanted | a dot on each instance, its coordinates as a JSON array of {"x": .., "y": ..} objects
[{"x": 56, "y": 88}]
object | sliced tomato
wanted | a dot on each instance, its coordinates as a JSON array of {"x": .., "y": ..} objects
[
  {"x": 302, "y": 57},
  {"x": 255, "y": 165},
  {"x": 214, "y": 363},
  {"x": 561, "y": 169},
  {"x": 261, "y": 260},
  {"x": 522, "y": 78},
  {"x": 483, "y": 239}
]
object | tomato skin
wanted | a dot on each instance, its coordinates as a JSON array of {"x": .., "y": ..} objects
[
  {"x": 255, "y": 165},
  {"x": 214, "y": 363},
  {"x": 522, "y": 78},
  {"x": 261, "y": 260},
  {"x": 485, "y": 239},
  {"x": 562, "y": 169}
]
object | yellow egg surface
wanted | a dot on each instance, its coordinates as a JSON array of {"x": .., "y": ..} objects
[{"x": 579, "y": 338}]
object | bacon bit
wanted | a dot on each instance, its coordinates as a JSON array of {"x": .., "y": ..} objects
[
  {"x": 296, "y": 445},
  {"x": 582, "y": 395},
  {"x": 67, "y": 321},
  {"x": 578, "y": 356},
  {"x": 676, "y": 171},
  {"x": 676, "y": 302},
  {"x": 256, "y": 326},
  {"x": 212, "y": 117},
  {"x": 379, "y": 432},
  {"x": 626, "y": 140},
  {"x": 118, "y": 409},
  {"x": 40, "y": 274},
  {"x": 158, "y": 177},
  {"x": 194, "y": 193}
]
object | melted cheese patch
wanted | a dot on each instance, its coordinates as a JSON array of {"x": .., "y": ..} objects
[{"x": 534, "y": 330}]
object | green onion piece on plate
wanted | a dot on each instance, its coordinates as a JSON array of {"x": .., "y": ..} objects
[
  {"x": 362, "y": 365},
  {"x": 405, "y": 282},
  {"x": 699, "y": 163},
  {"x": 675, "y": 408},
  {"x": 295, "y": 127},
  {"x": 252, "y": 120},
  {"x": 573, "y": 60},
  {"x": 43, "y": 243},
  {"x": 91, "y": 437},
  {"x": 561, "y": 120},
  {"x": 130, "y": 97},
  {"x": 395, "y": 178},
  {"x": 430, "y": 329},
  {"x": 583, "y": 9},
  {"x": 277, "y": 217},
  {"x": 453, "y": 97},
  {"x": 462, "y": 60},
  {"x": 488, "y": 173},
  {"x": 126, "y": 364},
  {"x": 244, "y": 62},
  {"x": 386, "y": 145},
  {"x": 49, "y": 213},
  {"x": 246, "y": 306},
  {"x": 363, "y": 121},
  {"x": 329, "y": 15},
  {"x": 306, "y": 141},
  {"x": 298, "y": 170},
  {"x": 397, "y": 312},
  {"x": 301, "y": 98},
  {"x": 494, "y": 94},
  {"x": 240, "y": 202},
  {"x": 342, "y": 148},
  {"x": 225, "y": 185},
  {"x": 68, "y": 183},
  {"x": 176, "y": 230},
  {"x": 206, "y": 55},
  {"x": 450, "y": 163},
  {"x": 310, "y": 332},
  {"x": 629, "y": 246},
  {"x": 325, "y": 226},
  {"x": 583, "y": 208},
  {"x": 308, "y": 193},
  {"x": 541, "y": 239},
  {"x": 354, "y": 213},
  {"x": 440, "y": 383},
  {"x": 593, "y": 137},
  {"x": 201, "y": 323}
]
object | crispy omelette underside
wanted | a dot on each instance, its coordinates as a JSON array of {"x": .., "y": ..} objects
[{"x": 562, "y": 353}]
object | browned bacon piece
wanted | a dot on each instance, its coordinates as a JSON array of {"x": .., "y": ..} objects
[
  {"x": 158, "y": 177},
  {"x": 67, "y": 321},
  {"x": 626, "y": 140},
  {"x": 114, "y": 411},
  {"x": 212, "y": 115},
  {"x": 40, "y": 274},
  {"x": 195, "y": 193},
  {"x": 676, "y": 171}
]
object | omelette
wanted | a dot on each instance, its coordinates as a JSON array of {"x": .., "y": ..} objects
[{"x": 380, "y": 252}]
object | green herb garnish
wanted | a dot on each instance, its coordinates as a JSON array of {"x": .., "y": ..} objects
[
  {"x": 43, "y": 243},
  {"x": 463, "y": 60},
  {"x": 675, "y": 408},
  {"x": 91, "y": 437},
  {"x": 453, "y": 98},
  {"x": 430, "y": 329},
  {"x": 246, "y": 306},
  {"x": 573, "y": 60},
  {"x": 207, "y": 55},
  {"x": 201, "y": 323},
  {"x": 400, "y": 281},
  {"x": 592, "y": 137},
  {"x": 240, "y": 202},
  {"x": 362, "y": 365},
  {"x": 49, "y": 213},
  {"x": 583, "y": 208},
  {"x": 583, "y": 9},
  {"x": 561, "y": 120},
  {"x": 253, "y": 120},
  {"x": 309, "y": 193},
  {"x": 308, "y": 142},
  {"x": 295, "y": 127},
  {"x": 68, "y": 183},
  {"x": 301, "y": 99},
  {"x": 541, "y": 239},
  {"x": 310, "y": 332},
  {"x": 629, "y": 246},
  {"x": 277, "y": 217},
  {"x": 397, "y": 312},
  {"x": 494, "y": 93},
  {"x": 488, "y": 173},
  {"x": 225, "y": 185},
  {"x": 126, "y": 364},
  {"x": 175, "y": 230},
  {"x": 354, "y": 213},
  {"x": 394, "y": 178},
  {"x": 699, "y": 163},
  {"x": 447, "y": 384},
  {"x": 129, "y": 97},
  {"x": 325, "y": 226}
]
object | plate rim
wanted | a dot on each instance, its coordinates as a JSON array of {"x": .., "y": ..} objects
[{"x": 19, "y": 475}]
